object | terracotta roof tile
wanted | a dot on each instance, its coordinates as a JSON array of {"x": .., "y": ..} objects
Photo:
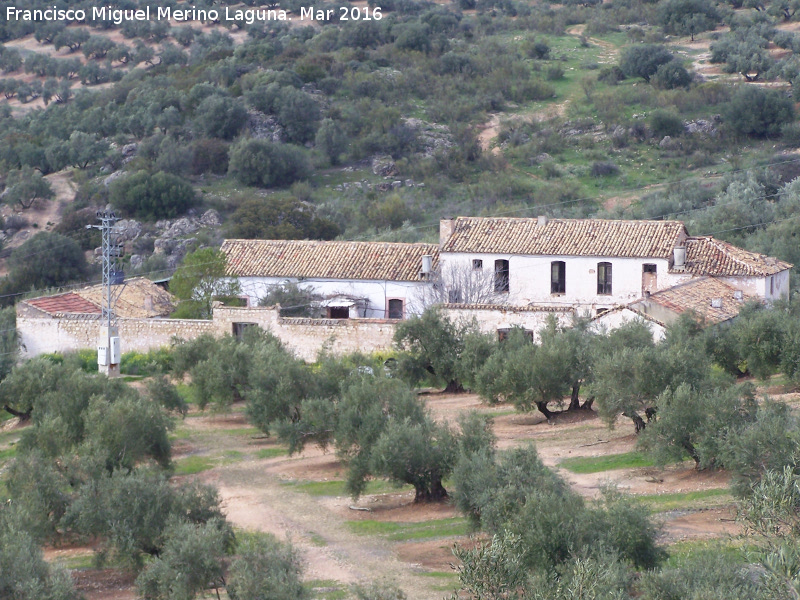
[
  {"x": 65, "y": 303},
  {"x": 709, "y": 256},
  {"x": 327, "y": 260},
  {"x": 565, "y": 237},
  {"x": 133, "y": 299},
  {"x": 697, "y": 294}
]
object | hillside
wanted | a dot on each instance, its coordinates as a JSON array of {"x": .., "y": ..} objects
[{"x": 373, "y": 129}]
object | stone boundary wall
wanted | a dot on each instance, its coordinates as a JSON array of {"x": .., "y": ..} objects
[{"x": 41, "y": 333}]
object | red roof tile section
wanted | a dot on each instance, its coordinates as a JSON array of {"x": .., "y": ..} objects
[
  {"x": 566, "y": 237},
  {"x": 708, "y": 256},
  {"x": 65, "y": 303},
  {"x": 697, "y": 295},
  {"x": 327, "y": 260}
]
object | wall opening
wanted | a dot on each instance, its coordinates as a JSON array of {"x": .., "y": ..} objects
[
  {"x": 501, "y": 280},
  {"x": 396, "y": 308},
  {"x": 604, "y": 278},
  {"x": 558, "y": 279}
]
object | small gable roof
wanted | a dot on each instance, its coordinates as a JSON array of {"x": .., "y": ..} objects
[
  {"x": 383, "y": 261},
  {"x": 697, "y": 295},
  {"x": 709, "y": 256},
  {"x": 138, "y": 298},
  {"x": 565, "y": 237}
]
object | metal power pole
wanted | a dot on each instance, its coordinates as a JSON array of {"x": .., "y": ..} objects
[{"x": 108, "y": 343}]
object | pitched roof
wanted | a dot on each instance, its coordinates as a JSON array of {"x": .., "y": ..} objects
[
  {"x": 565, "y": 237},
  {"x": 65, "y": 303},
  {"x": 138, "y": 298},
  {"x": 327, "y": 260},
  {"x": 709, "y": 256},
  {"x": 696, "y": 295}
]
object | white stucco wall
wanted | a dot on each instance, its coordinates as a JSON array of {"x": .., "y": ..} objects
[
  {"x": 529, "y": 278},
  {"x": 617, "y": 318},
  {"x": 377, "y": 293}
]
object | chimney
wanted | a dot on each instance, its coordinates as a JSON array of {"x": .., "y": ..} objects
[
  {"x": 446, "y": 227},
  {"x": 738, "y": 295},
  {"x": 716, "y": 303},
  {"x": 541, "y": 220},
  {"x": 679, "y": 258},
  {"x": 427, "y": 265}
]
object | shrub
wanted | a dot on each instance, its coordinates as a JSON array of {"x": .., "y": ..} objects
[
  {"x": 643, "y": 60},
  {"x": 664, "y": 122},
  {"x": 152, "y": 197},
  {"x": 758, "y": 112},
  {"x": 604, "y": 169},
  {"x": 672, "y": 75},
  {"x": 263, "y": 163}
]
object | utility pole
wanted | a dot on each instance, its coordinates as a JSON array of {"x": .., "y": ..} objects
[{"x": 108, "y": 343}]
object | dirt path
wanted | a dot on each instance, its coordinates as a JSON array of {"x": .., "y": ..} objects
[
  {"x": 491, "y": 128},
  {"x": 255, "y": 499}
]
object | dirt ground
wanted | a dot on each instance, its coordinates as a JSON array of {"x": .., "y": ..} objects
[{"x": 264, "y": 495}]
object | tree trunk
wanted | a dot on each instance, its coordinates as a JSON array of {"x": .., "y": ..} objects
[
  {"x": 23, "y": 416},
  {"x": 638, "y": 421},
  {"x": 542, "y": 406},
  {"x": 587, "y": 404},
  {"x": 692, "y": 451},
  {"x": 454, "y": 387},
  {"x": 575, "y": 401},
  {"x": 650, "y": 413},
  {"x": 436, "y": 493}
]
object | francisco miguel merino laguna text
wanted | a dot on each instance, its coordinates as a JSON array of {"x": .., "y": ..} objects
[{"x": 118, "y": 16}]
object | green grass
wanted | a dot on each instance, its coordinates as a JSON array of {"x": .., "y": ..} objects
[
  {"x": 684, "y": 500},
  {"x": 597, "y": 464},
  {"x": 271, "y": 452},
  {"x": 337, "y": 487},
  {"x": 327, "y": 589},
  {"x": 317, "y": 540},
  {"x": 443, "y": 581},
  {"x": 398, "y": 532},
  {"x": 7, "y": 453},
  {"x": 82, "y": 561},
  {"x": 193, "y": 464},
  {"x": 681, "y": 553}
]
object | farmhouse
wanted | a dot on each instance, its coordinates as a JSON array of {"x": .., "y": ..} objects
[
  {"x": 499, "y": 272},
  {"x": 586, "y": 265}
]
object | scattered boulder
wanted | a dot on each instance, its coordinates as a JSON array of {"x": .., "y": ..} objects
[
  {"x": 127, "y": 230},
  {"x": 384, "y": 166},
  {"x": 265, "y": 127}
]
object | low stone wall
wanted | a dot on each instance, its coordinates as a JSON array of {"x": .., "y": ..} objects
[
  {"x": 308, "y": 336},
  {"x": 41, "y": 333}
]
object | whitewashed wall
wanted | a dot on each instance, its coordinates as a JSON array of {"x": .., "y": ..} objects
[
  {"x": 377, "y": 293},
  {"x": 529, "y": 278}
]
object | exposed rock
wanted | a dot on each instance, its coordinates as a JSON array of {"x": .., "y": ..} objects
[
  {"x": 136, "y": 261},
  {"x": 210, "y": 218},
  {"x": 397, "y": 184},
  {"x": 665, "y": 142},
  {"x": 181, "y": 227},
  {"x": 265, "y": 127},
  {"x": 701, "y": 126},
  {"x": 431, "y": 136},
  {"x": 113, "y": 177},
  {"x": 128, "y": 229},
  {"x": 384, "y": 166},
  {"x": 409, "y": 183},
  {"x": 129, "y": 149},
  {"x": 542, "y": 158}
]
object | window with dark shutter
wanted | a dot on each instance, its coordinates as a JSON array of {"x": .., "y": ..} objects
[
  {"x": 604, "y": 278},
  {"x": 558, "y": 280}
]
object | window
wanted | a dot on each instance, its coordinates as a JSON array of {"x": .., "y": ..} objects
[
  {"x": 558, "y": 284},
  {"x": 502, "y": 334},
  {"x": 454, "y": 296},
  {"x": 477, "y": 264},
  {"x": 600, "y": 311},
  {"x": 396, "y": 309},
  {"x": 771, "y": 286},
  {"x": 501, "y": 276},
  {"x": 648, "y": 268},
  {"x": 240, "y": 328},
  {"x": 338, "y": 312},
  {"x": 604, "y": 278}
]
